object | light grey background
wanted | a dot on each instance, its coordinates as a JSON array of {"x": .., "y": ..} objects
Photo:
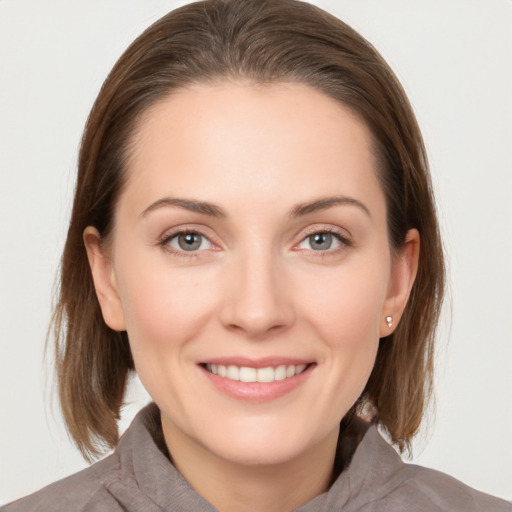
[{"x": 455, "y": 61}]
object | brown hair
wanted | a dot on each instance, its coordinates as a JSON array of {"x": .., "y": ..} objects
[{"x": 264, "y": 41}]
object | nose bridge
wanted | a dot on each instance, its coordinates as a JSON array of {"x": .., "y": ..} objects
[{"x": 258, "y": 302}]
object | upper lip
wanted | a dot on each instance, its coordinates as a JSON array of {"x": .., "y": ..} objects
[{"x": 261, "y": 362}]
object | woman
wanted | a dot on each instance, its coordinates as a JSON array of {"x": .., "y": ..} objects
[{"x": 254, "y": 233}]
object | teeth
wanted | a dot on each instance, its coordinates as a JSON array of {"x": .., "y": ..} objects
[
  {"x": 280, "y": 372},
  {"x": 265, "y": 374},
  {"x": 247, "y": 374},
  {"x": 300, "y": 368},
  {"x": 233, "y": 373}
]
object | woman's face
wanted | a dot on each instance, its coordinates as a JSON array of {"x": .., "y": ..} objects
[{"x": 250, "y": 266}]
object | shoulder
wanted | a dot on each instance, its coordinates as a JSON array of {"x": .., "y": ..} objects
[
  {"x": 81, "y": 492},
  {"x": 126, "y": 480},
  {"x": 438, "y": 491},
  {"x": 379, "y": 478}
]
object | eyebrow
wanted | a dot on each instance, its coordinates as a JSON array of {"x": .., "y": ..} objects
[
  {"x": 327, "y": 202},
  {"x": 188, "y": 204},
  {"x": 213, "y": 210}
]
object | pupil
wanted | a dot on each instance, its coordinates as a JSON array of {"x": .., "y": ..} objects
[
  {"x": 321, "y": 241},
  {"x": 189, "y": 241}
]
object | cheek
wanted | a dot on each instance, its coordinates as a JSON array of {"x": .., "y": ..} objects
[
  {"x": 345, "y": 312},
  {"x": 346, "y": 303},
  {"x": 162, "y": 309}
]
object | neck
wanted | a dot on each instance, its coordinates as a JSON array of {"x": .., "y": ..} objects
[{"x": 230, "y": 486}]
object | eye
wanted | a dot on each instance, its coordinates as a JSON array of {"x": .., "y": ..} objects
[
  {"x": 323, "y": 241},
  {"x": 189, "y": 241}
]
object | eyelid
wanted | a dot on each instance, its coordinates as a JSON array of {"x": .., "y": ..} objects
[
  {"x": 172, "y": 233},
  {"x": 341, "y": 235},
  {"x": 175, "y": 242}
]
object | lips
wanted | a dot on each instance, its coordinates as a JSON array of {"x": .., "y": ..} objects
[{"x": 257, "y": 381}]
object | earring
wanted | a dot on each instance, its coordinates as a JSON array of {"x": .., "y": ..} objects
[{"x": 389, "y": 320}]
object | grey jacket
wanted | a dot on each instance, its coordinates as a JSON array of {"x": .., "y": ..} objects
[{"x": 138, "y": 477}]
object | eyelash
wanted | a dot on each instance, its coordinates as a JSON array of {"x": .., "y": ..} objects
[
  {"x": 345, "y": 242},
  {"x": 164, "y": 242}
]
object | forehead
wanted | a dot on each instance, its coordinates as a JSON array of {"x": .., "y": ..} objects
[{"x": 263, "y": 142}]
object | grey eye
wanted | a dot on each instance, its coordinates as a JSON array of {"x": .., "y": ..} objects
[
  {"x": 320, "y": 241},
  {"x": 189, "y": 242}
]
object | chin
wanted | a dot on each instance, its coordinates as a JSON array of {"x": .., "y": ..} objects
[
  {"x": 263, "y": 444},
  {"x": 260, "y": 454}
]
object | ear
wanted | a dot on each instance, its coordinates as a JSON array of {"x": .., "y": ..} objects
[
  {"x": 403, "y": 274},
  {"x": 104, "y": 280}
]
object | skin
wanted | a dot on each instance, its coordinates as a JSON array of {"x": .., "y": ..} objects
[{"x": 257, "y": 286}]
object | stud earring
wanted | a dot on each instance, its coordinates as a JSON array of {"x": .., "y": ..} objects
[{"x": 389, "y": 320}]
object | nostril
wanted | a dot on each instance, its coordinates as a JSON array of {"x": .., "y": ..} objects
[
  {"x": 256, "y": 304},
  {"x": 257, "y": 330}
]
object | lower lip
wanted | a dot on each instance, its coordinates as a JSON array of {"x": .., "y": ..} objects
[{"x": 257, "y": 392}]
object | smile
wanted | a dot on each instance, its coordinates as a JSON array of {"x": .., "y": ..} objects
[{"x": 248, "y": 374}]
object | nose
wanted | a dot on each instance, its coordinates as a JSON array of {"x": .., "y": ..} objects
[{"x": 258, "y": 301}]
